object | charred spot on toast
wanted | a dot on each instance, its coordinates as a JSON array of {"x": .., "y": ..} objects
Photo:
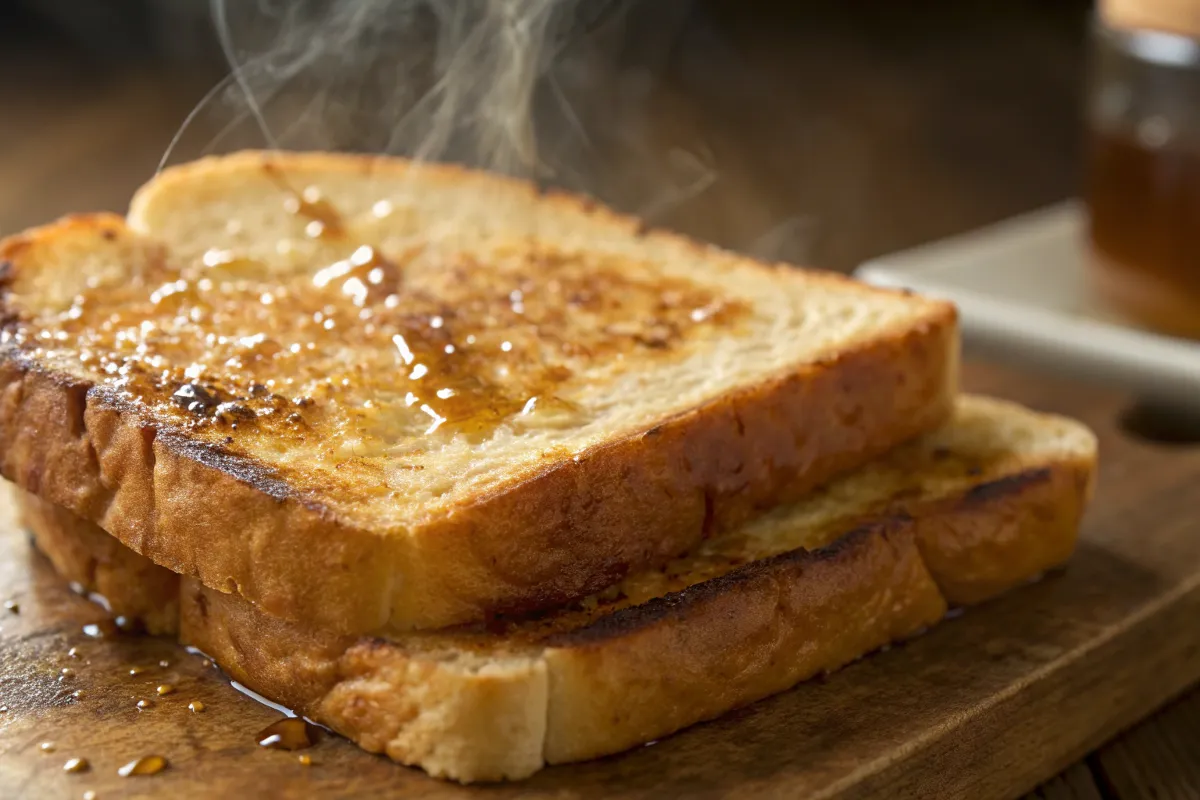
[
  {"x": 196, "y": 398},
  {"x": 1004, "y": 487},
  {"x": 626, "y": 620},
  {"x": 248, "y": 471}
]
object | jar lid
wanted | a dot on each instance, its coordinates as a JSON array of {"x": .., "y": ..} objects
[{"x": 1168, "y": 16}]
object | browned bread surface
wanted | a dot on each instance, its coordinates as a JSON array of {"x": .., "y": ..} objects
[
  {"x": 362, "y": 394},
  {"x": 983, "y": 504}
]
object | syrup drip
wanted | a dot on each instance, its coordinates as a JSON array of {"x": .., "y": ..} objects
[
  {"x": 146, "y": 765},
  {"x": 108, "y": 628},
  {"x": 100, "y": 630},
  {"x": 290, "y": 733},
  {"x": 324, "y": 220}
]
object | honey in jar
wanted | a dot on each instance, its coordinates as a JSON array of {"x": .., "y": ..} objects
[{"x": 1143, "y": 184}]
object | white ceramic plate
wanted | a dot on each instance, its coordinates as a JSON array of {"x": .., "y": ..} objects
[{"x": 1021, "y": 287}]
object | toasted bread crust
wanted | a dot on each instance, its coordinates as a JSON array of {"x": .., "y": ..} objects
[
  {"x": 544, "y": 540},
  {"x": 132, "y": 586},
  {"x": 759, "y": 631},
  {"x": 645, "y": 671},
  {"x": 1005, "y": 531}
]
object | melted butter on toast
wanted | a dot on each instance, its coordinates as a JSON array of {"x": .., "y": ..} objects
[{"x": 368, "y": 353}]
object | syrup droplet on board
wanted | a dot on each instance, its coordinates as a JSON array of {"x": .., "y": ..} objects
[
  {"x": 305, "y": 760},
  {"x": 165, "y": 689},
  {"x": 136, "y": 670},
  {"x": 144, "y": 704},
  {"x": 100, "y": 630},
  {"x": 78, "y": 694},
  {"x": 13, "y": 606},
  {"x": 146, "y": 765},
  {"x": 76, "y": 765},
  {"x": 73, "y": 652},
  {"x": 89, "y": 795},
  {"x": 66, "y": 673},
  {"x": 47, "y": 747},
  {"x": 195, "y": 706},
  {"x": 290, "y": 733}
]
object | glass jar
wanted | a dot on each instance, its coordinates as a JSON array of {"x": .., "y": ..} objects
[{"x": 1143, "y": 176}]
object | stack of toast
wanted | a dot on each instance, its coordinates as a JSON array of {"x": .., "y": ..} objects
[{"x": 486, "y": 478}]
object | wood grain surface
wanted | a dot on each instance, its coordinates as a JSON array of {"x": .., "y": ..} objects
[
  {"x": 988, "y": 704},
  {"x": 1075, "y": 783}
]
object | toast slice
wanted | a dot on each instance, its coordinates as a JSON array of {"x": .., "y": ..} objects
[
  {"x": 985, "y": 503},
  {"x": 365, "y": 394}
]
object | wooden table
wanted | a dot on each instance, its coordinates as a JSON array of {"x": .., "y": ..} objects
[{"x": 848, "y": 148}]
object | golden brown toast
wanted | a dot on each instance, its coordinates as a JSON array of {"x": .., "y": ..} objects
[
  {"x": 983, "y": 504},
  {"x": 362, "y": 393}
]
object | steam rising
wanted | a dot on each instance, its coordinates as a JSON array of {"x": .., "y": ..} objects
[
  {"x": 563, "y": 92},
  {"x": 429, "y": 79},
  {"x": 533, "y": 88}
]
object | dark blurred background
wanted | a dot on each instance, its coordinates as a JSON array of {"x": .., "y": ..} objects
[{"x": 815, "y": 132}]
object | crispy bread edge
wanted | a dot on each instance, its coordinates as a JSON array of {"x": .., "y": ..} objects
[
  {"x": 92, "y": 561},
  {"x": 659, "y": 667},
  {"x": 548, "y": 539},
  {"x": 647, "y": 671}
]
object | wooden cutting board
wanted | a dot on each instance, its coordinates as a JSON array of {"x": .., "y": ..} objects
[{"x": 988, "y": 704}]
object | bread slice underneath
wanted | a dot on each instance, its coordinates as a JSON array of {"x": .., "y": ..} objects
[
  {"x": 984, "y": 503},
  {"x": 362, "y": 393}
]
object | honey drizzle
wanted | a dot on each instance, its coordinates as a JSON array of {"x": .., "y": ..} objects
[
  {"x": 308, "y": 204},
  {"x": 289, "y": 733},
  {"x": 146, "y": 765},
  {"x": 484, "y": 343}
]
